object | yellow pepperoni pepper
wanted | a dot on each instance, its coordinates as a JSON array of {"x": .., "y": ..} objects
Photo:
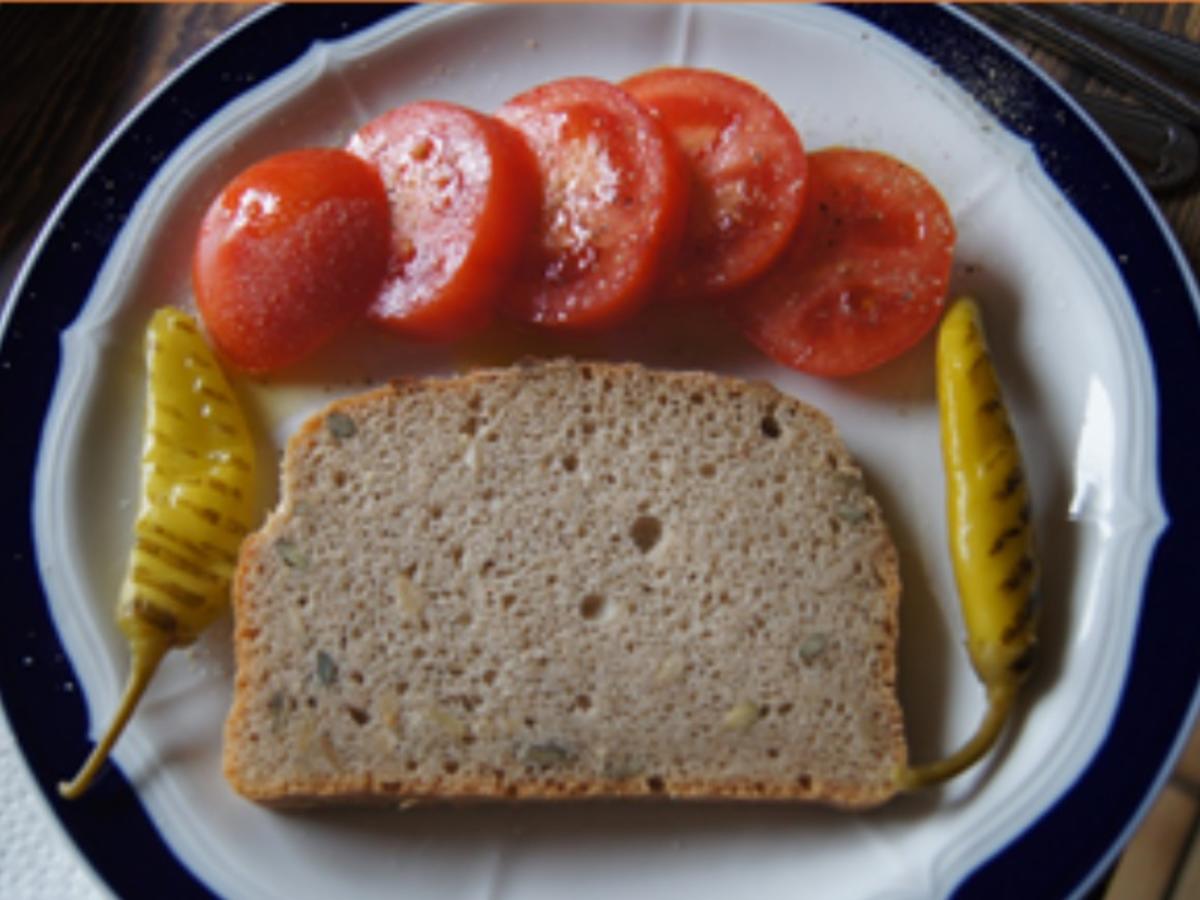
[
  {"x": 197, "y": 504},
  {"x": 991, "y": 538}
]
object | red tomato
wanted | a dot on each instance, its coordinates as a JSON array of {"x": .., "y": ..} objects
[
  {"x": 464, "y": 195},
  {"x": 614, "y": 204},
  {"x": 290, "y": 252},
  {"x": 748, "y": 173},
  {"x": 865, "y": 277}
]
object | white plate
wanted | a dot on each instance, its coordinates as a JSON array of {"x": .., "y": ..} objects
[{"x": 1069, "y": 345}]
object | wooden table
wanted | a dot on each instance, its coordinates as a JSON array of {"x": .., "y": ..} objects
[{"x": 71, "y": 73}]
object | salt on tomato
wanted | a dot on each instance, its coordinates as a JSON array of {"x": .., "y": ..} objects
[
  {"x": 866, "y": 275},
  {"x": 747, "y": 167},
  {"x": 464, "y": 196},
  {"x": 614, "y": 204},
  {"x": 289, "y": 253}
]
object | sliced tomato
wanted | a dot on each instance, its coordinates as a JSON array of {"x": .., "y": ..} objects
[
  {"x": 289, "y": 253},
  {"x": 614, "y": 204},
  {"x": 866, "y": 275},
  {"x": 464, "y": 195},
  {"x": 748, "y": 171}
]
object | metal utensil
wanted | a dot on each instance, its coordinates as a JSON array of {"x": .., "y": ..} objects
[
  {"x": 1179, "y": 56},
  {"x": 1115, "y": 68},
  {"x": 1165, "y": 153},
  {"x": 1154, "y": 137}
]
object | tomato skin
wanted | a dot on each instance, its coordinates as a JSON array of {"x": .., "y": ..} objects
[
  {"x": 747, "y": 170},
  {"x": 464, "y": 195},
  {"x": 866, "y": 275},
  {"x": 614, "y": 204},
  {"x": 290, "y": 253}
]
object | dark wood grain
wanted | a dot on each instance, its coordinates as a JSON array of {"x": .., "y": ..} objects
[{"x": 58, "y": 66}]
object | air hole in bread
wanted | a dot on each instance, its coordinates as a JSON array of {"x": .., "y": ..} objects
[
  {"x": 508, "y": 601},
  {"x": 570, "y": 462},
  {"x": 583, "y": 702},
  {"x": 339, "y": 479},
  {"x": 646, "y": 532},
  {"x": 770, "y": 426},
  {"x": 655, "y": 784},
  {"x": 708, "y": 470},
  {"x": 358, "y": 715},
  {"x": 450, "y": 766},
  {"x": 592, "y": 606}
]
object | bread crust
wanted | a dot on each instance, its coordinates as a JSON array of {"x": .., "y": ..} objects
[{"x": 264, "y": 762}]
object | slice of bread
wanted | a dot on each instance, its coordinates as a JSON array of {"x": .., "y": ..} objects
[{"x": 560, "y": 580}]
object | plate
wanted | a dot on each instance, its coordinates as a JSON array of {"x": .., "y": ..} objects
[{"x": 1092, "y": 315}]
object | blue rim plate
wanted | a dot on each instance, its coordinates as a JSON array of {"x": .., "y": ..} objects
[{"x": 1058, "y": 854}]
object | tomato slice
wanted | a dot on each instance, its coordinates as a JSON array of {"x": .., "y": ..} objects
[
  {"x": 290, "y": 253},
  {"x": 866, "y": 275},
  {"x": 614, "y": 204},
  {"x": 748, "y": 170},
  {"x": 464, "y": 197}
]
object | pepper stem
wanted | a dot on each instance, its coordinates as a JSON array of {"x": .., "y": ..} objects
[
  {"x": 147, "y": 654},
  {"x": 1000, "y": 701}
]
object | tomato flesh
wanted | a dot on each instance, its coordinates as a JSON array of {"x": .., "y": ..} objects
[
  {"x": 748, "y": 170},
  {"x": 290, "y": 253},
  {"x": 614, "y": 204},
  {"x": 866, "y": 275},
  {"x": 463, "y": 190}
]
